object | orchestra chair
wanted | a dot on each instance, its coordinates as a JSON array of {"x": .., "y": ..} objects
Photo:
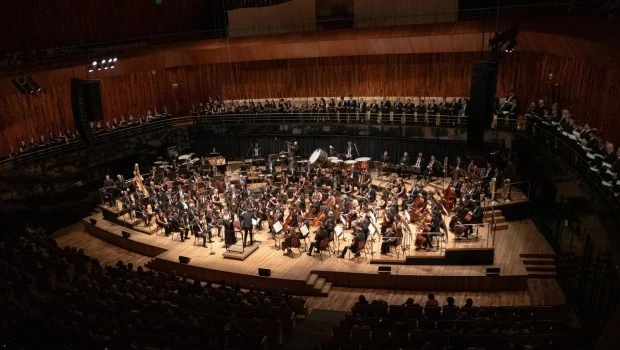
[
  {"x": 361, "y": 248},
  {"x": 172, "y": 233},
  {"x": 325, "y": 246},
  {"x": 237, "y": 228}
]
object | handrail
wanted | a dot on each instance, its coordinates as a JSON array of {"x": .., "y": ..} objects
[{"x": 100, "y": 138}]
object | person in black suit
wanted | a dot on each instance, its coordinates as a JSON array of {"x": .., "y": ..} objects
[
  {"x": 246, "y": 223},
  {"x": 433, "y": 109},
  {"x": 359, "y": 237},
  {"x": 342, "y": 108},
  {"x": 374, "y": 110},
  {"x": 362, "y": 108},
  {"x": 386, "y": 108},
  {"x": 200, "y": 232},
  {"x": 432, "y": 168},
  {"x": 109, "y": 190},
  {"x": 419, "y": 161},
  {"x": 351, "y": 105},
  {"x": 398, "y": 110},
  {"x": 409, "y": 108},
  {"x": 403, "y": 163}
]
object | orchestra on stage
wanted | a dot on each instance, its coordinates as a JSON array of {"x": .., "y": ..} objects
[{"x": 322, "y": 196}]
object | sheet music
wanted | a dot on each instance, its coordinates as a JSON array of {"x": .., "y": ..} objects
[
  {"x": 277, "y": 227},
  {"x": 304, "y": 231},
  {"x": 408, "y": 216},
  {"x": 372, "y": 217},
  {"x": 254, "y": 222},
  {"x": 372, "y": 229},
  {"x": 342, "y": 219},
  {"x": 338, "y": 230}
]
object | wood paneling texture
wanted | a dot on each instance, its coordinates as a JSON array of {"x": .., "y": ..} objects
[
  {"x": 591, "y": 92},
  {"x": 32, "y": 24},
  {"x": 26, "y": 116}
]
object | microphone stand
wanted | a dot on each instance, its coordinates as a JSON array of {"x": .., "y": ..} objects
[{"x": 356, "y": 150}]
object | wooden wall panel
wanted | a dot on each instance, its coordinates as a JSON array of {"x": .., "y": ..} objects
[
  {"x": 26, "y": 116},
  {"x": 591, "y": 92}
]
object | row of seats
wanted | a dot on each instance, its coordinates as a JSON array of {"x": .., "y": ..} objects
[
  {"x": 67, "y": 299},
  {"x": 298, "y": 101},
  {"x": 499, "y": 313}
]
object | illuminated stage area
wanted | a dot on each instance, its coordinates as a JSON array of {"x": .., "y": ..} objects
[{"x": 452, "y": 264}]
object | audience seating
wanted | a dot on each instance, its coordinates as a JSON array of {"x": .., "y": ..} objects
[{"x": 67, "y": 299}]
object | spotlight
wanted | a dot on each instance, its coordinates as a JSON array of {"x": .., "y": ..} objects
[
  {"x": 115, "y": 59},
  {"x": 33, "y": 84},
  {"x": 99, "y": 67},
  {"x": 94, "y": 63},
  {"x": 106, "y": 67},
  {"x": 19, "y": 86},
  {"x": 112, "y": 66},
  {"x": 103, "y": 61},
  {"x": 90, "y": 69}
]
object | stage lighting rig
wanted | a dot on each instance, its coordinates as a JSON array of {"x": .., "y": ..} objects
[
  {"x": 103, "y": 64},
  {"x": 26, "y": 85},
  {"x": 504, "y": 42}
]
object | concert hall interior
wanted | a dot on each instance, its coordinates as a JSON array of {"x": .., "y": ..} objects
[{"x": 310, "y": 174}]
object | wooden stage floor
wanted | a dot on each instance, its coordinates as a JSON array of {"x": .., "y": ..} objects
[{"x": 314, "y": 275}]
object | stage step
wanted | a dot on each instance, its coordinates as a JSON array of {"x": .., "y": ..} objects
[
  {"x": 489, "y": 213},
  {"x": 312, "y": 279},
  {"x": 326, "y": 288},
  {"x": 498, "y": 219},
  {"x": 550, "y": 274},
  {"x": 550, "y": 268},
  {"x": 537, "y": 255},
  {"x": 320, "y": 282},
  {"x": 539, "y": 265},
  {"x": 539, "y": 262},
  {"x": 501, "y": 227}
]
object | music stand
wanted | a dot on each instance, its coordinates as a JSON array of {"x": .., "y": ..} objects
[
  {"x": 372, "y": 231},
  {"x": 338, "y": 230},
  {"x": 277, "y": 228},
  {"x": 305, "y": 232}
]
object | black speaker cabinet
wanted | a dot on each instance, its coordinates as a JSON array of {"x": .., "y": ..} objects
[
  {"x": 493, "y": 271},
  {"x": 126, "y": 234},
  {"x": 184, "y": 259},
  {"x": 264, "y": 272},
  {"x": 385, "y": 269},
  {"x": 93, "y": 221}
]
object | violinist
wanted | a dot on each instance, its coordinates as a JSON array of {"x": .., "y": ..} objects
[{"x": 362, "y": 234}]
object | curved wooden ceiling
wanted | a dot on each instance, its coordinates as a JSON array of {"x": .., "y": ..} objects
[{"x": 535, "y": 36}]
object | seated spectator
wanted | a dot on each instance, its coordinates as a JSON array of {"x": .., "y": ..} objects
[
  {"x": 362, "y": 300},
  {"x": 468, "y": 302},
  {"x": 431, "y": 300}
]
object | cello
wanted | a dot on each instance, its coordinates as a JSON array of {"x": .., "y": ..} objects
[{"x": 422, "y": 236}]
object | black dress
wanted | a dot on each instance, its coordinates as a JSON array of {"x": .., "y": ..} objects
[{"x": 229, "y": 233}]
